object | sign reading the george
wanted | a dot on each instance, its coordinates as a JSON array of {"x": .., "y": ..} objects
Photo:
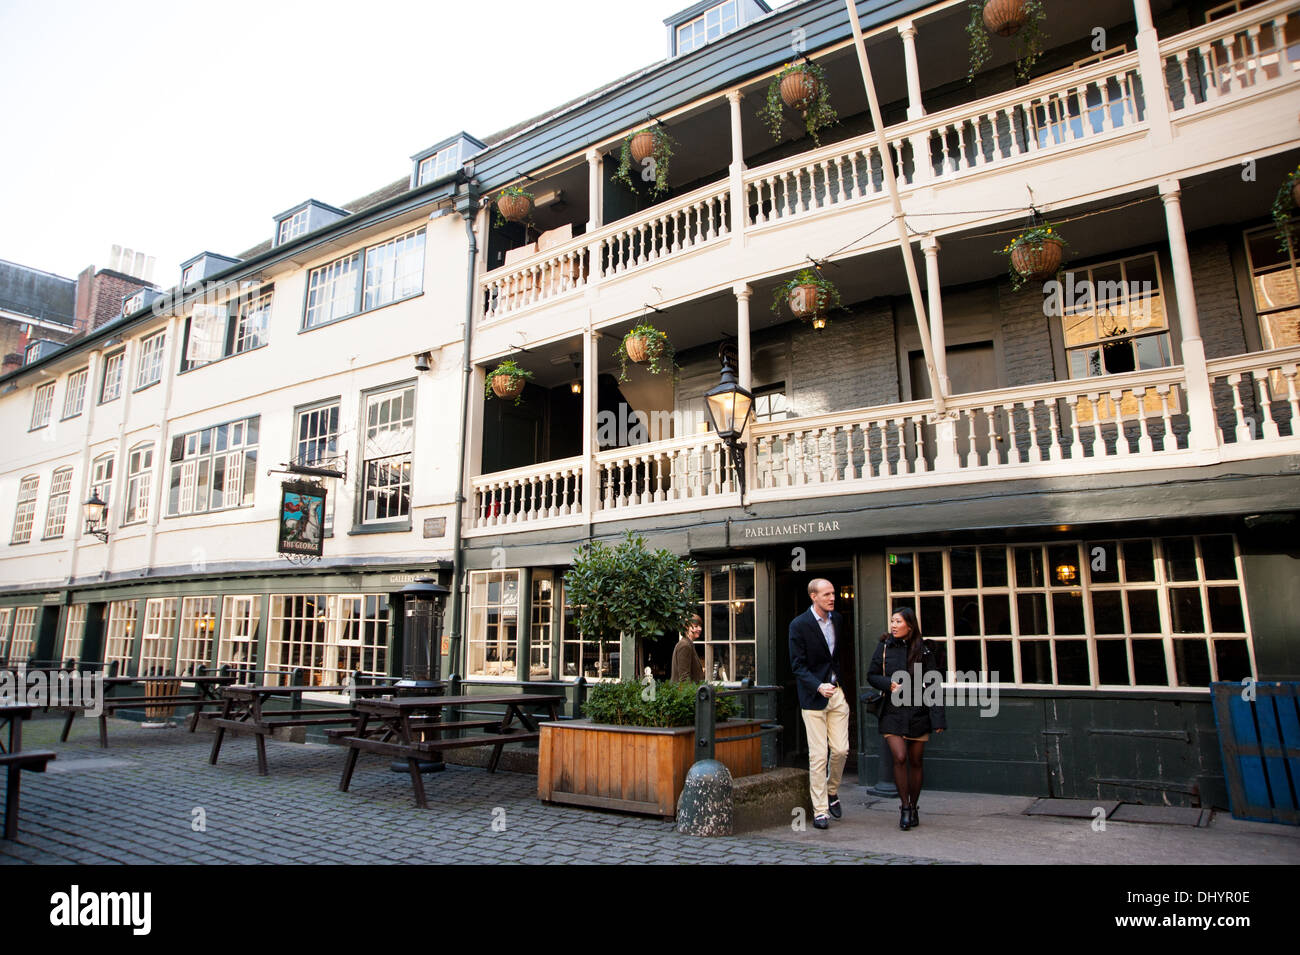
[{"x": 301, "y": 529}]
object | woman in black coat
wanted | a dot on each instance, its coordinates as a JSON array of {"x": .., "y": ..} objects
[{"x": 906, "y": 728}]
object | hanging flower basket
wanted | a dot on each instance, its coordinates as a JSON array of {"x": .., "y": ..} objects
[
  {"x": 515, "y": 204},
  {"x": 1022, "y": 19},
  {"x": 507, "y": 380},
  {"x": 1005, "y": 17},
  {"x": 801, "y": 86},
  {"x": 808, "y": 295},
  {"x": 1035, "y": 255},
  {"x": 646, "y": 345},
  {"x": 798, "y": 89},
  {"x": 642, "y": 145}
]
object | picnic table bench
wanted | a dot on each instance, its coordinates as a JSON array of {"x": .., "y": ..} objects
[
  {"x": 202, "y": 694},
  {"x": 15, "y": 759},
  {"x": 402, "y": 728},
  {"x": 244, "y": 711}
]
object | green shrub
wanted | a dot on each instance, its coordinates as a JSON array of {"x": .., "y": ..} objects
[{"x": 670, "y": 704}]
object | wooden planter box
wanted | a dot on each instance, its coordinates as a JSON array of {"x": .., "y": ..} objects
[{"x": 632, "y": 768}]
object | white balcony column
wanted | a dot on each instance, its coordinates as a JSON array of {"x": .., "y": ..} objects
[
  {"x": 934, "y": 295},
  {"x": 739, "y": 207},
  {"x": 1200, "y": 400},
  {"x": 744, "y": 370},
  {"x": 907, "y": 30},
  {"x": 590, "y": 406},
  {"x": 595, "y": 182},
  {"x": 1151, "y": 68}
]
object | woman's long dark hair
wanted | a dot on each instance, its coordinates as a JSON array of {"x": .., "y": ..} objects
[{"x": 915, "y": 644}]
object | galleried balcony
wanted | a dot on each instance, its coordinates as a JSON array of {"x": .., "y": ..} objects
[{"x": 591, "y": 230}]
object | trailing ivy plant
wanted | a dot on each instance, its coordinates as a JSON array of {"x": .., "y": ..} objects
[
  {"x": 828, "y": 296},
  {"x": 1035, "y": 237},
  {"x": 627, "y": 703},
  {"x": 817, "y": 115},
  {"x": 1028, "y": 39},
  {"x": 629, "y": 589},
  {"x": 511, "y": 370},
  {"x": 654, "y": 168},
  {"x": 1283, "y": 207},
  {"x": 659, "y": 351}
]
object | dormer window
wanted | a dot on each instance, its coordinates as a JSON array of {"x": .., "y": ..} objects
[
  {"x": 441, "y": 163},
  {"x": 135, "y": 302},
  {"x": 444, "y": 158},
  {"x": 292, "y": 227},
  {"x": 713, "y": 23}
]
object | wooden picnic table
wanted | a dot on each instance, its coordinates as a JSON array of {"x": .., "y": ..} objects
[
  {"x": 411, "y": 728},
  {"x": 15, "y": 760},
  {"x": 244, "y": 711},
  {"x": 205, "y": 688},
  {"x": 13, "y": 714}
]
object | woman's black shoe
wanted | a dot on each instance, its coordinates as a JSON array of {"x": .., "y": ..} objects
[
  {"x": 904, "y": 818},
  {"x": 913, "y": 820}
]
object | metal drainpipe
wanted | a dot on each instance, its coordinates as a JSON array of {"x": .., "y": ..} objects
[{"x": 453, "y": 648}]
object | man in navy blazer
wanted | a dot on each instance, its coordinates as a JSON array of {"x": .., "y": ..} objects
[{"x": 818, "y": 656}]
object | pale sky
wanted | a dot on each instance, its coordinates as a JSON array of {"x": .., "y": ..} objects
[{"x": 173, "y": 128}]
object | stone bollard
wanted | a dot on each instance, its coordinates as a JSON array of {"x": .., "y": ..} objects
[{"x": 705, "y": 807}]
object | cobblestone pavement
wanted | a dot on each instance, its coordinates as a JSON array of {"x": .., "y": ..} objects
[{"x": 135, "y": 803}]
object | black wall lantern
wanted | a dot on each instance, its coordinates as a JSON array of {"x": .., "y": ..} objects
[
  {"x": 95, "y": 512},
  {"x": 729, "y": 407}
]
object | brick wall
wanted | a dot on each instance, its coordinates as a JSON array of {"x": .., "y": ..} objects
[
  {"x": 106, "y": 294},
  {"x": 1026, "y": 340},
  {"x": 852, "y": 363},
  {"x": 1216, "y": 297}
]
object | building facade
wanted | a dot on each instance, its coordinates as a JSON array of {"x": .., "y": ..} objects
[{"x": 1087, "y": 489}]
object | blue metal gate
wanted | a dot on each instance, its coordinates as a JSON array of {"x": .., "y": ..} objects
[{"x": 1259, "y": 736}]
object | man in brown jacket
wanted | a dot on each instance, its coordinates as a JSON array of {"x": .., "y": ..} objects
[{"x": 687, "y": 667}]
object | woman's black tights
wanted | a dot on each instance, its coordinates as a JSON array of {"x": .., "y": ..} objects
[{"x": 908, "y": 769}]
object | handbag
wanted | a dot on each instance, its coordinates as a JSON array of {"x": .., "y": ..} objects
[{"x": 874, "y": 699}]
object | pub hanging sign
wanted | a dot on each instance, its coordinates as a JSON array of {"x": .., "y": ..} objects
[{"x": 302, "y": 525}]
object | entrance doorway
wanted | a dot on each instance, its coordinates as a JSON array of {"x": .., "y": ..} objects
[{"x": 789, "y": 600}]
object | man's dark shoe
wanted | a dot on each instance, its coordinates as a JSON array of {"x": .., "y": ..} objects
[
  {"x": 836, "y": 810},
  {"x": 821, "y": 822}
]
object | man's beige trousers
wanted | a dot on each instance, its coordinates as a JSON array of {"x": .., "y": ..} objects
[{"x": 830, "y": 725}]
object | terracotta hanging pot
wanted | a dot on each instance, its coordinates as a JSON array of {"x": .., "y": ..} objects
[
  {"x": 640, "y": 348},
  {"x": 1004, "y": 17},
  {"x": 642, "y": 146},
  {"x": 507, "y": 386},
  {"x": 1037, "y": 261},
  {"x": 799, "y": 89},
  {"x": 514, "y": 208},
  {"x": 803, "y": 301}
]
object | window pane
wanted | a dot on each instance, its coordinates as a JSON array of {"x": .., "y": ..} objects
[
  {"x": 966, "y": 615},
  {"x": 1035, "y": 661},
  {"x": 997, "y": 613},
  {"x": 962, "y": 563},
  {"x": 1072, "y": 663},
  {"x": 1029, "y": 568},
  {"x": 1107, "y": 612},
  {"x": 1112, "y": 663},
  {"x": 1002, "y": 666},
  {"x": 1192, "y": 662},
  {"x": 1143, "y": 611},
  {"x": 932, "y": 617},
  {"x": 1218, "y": 558},
  {"x": 1067, "y": 612},
  {"x": 1185, "y": 606},
  {"x": 1103, "y": 562},
  {"x": 1063, "y": 560},
  {"x": 993, "y": 566},
  {"x": 1232, "y": 659},
  {"x": 930, "y": 570},
  {"x": 967, "y": 657},
  {"x": 1139, "y": 561},
  {"x": 1180, "y": 558},
  {"x": 1225, "y": 610},
  {"x": 1032, "y": 609},
  {"x": 901, "y": 576},
  {"x": 1149, "y": 663}
]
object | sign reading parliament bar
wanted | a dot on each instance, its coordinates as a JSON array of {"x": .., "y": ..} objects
[{"x": 302, "y": 530}]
